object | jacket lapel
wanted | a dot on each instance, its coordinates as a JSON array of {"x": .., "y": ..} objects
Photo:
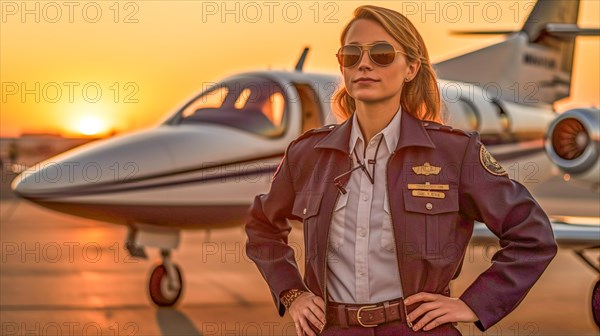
[
  {"x": 413, "y": 133},
  {"x": 338, "y": 138}
]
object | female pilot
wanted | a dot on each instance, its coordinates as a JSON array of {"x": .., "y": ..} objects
[{"x": 388, "y": 199}]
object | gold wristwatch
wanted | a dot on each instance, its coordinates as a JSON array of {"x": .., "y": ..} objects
[{"x": 290, "y": 295}]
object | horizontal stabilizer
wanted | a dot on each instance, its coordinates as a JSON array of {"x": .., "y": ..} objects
[
  {"x": 482, "y": 32},
  {"x": 566, "y": 30},
  {"x": 559, "y": 30}
]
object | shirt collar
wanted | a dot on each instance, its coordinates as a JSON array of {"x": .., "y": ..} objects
[{"x": 390, "y": 133}]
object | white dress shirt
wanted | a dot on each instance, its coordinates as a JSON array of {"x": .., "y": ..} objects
[{"x": 362, "y": 265}]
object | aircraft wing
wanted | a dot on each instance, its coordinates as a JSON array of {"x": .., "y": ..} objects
[{"x": 570, "y": 232}]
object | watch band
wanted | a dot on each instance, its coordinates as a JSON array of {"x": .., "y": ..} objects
[{"x": 289, "y": 296}]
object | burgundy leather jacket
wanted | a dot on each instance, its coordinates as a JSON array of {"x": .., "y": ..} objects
[{"x": 431, "y": 234}]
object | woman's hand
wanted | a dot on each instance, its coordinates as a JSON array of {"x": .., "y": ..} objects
[
  {"x": 307, "y": 308},
  {"x": 438, "y": 309}
]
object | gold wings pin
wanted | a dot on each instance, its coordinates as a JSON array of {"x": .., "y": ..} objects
[{"x": 426, "y": 169}]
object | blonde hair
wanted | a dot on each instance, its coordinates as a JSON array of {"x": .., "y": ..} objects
[{"x": 420, "y": 97}]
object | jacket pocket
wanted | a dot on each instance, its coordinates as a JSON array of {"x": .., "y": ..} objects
[
  {"x": 387, "y": 230},
  {"x": 306, "y": 207},
  {"x": 432, "y": 222},
  {"x": 307, "y": 204}
]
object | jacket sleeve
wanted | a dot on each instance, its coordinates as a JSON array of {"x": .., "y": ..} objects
[
  {"x": 267, "y": 229},
  {"x": 527, "y": 243}
]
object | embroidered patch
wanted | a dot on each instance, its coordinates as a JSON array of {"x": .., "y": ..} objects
[{"x": 489, "y": 163}]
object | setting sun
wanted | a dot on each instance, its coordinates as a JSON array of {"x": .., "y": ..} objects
[{"x": 91, "y": 125}]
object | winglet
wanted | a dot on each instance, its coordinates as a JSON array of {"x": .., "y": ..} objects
[{"x": 300, "y": 63}]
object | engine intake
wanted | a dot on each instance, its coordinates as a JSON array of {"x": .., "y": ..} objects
[{"x": 573, "y": 143}]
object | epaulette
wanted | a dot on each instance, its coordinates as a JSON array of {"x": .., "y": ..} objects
[
  {"x": 431, "y": 125},
  {"x": 308, "y": 133},
  {"x": 312, "y": 131}
]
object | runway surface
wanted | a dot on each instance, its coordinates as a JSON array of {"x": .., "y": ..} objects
[{"x": 69, "y": 276}]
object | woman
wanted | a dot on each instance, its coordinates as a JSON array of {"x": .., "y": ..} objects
[{"x": 388, "y": 200}]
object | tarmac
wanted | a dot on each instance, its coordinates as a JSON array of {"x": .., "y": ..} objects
[{"x": 63, "y": 275}]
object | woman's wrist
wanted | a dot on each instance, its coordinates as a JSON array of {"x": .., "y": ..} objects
[{"x": 288, "y": 296}]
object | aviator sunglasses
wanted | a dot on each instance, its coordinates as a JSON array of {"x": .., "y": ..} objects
[{"x": 381, "y": 53}]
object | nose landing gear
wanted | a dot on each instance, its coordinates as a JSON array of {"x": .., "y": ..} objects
[{"x": 166, "y": 282}]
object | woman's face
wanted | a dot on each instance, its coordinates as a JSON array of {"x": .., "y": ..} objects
[{"x": 368, "y": 82}]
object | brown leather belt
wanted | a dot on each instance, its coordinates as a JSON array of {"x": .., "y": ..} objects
[{"x": 346, "y": 314}]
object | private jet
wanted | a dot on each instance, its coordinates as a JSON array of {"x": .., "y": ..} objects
[{"x": 201, "y": 168}]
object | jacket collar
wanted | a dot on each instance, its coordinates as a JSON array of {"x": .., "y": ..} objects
[
  {"x": 412, "y": 133},
  {"x": 390, "y": 133}
]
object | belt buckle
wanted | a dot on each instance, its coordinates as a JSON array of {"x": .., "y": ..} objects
[{"x": 358, "y": 316}]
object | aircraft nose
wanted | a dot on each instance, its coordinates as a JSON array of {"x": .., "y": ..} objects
[
  {"x": 47, "y": 178},
  {"x": 94, "y": 167},
  {"x": 20, "y": 187},
  {"x": 59, "y": 177}
]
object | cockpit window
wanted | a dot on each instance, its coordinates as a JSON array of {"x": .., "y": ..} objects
[
  {"x": 255, "y": 105},
  {"x": 242, "y": 99},
  {"x": 211, "y": 99},
  {"x": 273, "y": 108}
]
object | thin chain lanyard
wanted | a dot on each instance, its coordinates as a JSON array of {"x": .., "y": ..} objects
[
  {"x": 361, "y": 165},
  {"x": 371, "y": 162}
]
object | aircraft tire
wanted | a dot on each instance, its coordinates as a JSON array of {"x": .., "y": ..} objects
[
  {"x": 596, "y": 303},
  {"x": 160, "y": 294}
]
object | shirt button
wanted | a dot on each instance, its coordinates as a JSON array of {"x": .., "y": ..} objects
[
  {"x": 304, "y": 211},
  {"x": 429, "y": 206},
  {"x": 362, "y": 233},
  {"x": 365, "y": 198}
]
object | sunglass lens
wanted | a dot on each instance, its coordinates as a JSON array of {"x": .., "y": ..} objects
[
  {"x": 349, "y": 55},
  {"x": 383, "y": 54}
]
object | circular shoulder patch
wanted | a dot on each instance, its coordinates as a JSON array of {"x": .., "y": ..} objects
[{"x": 489, "y": 163}]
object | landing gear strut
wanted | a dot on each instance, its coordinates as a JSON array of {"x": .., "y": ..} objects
[
  {"x": 166, "y": 282},
  {"x": 596, "y": 291}
]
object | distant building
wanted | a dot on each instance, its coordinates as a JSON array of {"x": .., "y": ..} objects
[{"x": 31, "y": 148}]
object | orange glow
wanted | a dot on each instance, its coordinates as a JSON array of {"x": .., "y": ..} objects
[
  {"x": 141, "y": 60},
  {"x": 212, "y": 99},
  {"x": 91, "y": 125},
  {"x": 576, "y": 220},
  {"x": 273, "y": 108},
  {"x": 242, "y": 99}
]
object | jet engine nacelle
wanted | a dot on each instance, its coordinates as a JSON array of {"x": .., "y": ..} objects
[{"x": 573, "y": 144}]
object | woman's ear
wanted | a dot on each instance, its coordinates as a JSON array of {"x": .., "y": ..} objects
[{"x": 413, "y": 69}]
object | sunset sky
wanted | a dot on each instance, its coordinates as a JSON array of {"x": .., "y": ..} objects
[{"x": 92, "y": 67}]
